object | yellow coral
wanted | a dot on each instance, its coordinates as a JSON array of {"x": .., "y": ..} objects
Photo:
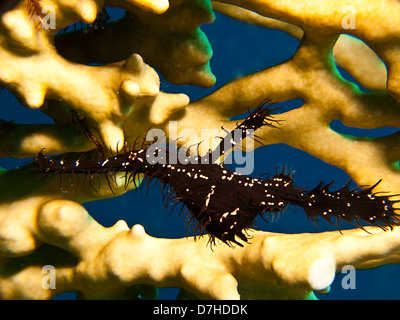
[{"x": 41, "y": 222}]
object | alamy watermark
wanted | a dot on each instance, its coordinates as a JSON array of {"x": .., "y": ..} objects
[
  {"x": 49, "y": 17},
  {"x": 49, "y": 280},
  {"x": 46, "y": 16},
  {"x": 349, "y": 280},
  {"x": 158, "y": 153},
  {"x": 349, "y": 20}
]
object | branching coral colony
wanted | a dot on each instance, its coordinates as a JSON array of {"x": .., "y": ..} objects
[{"x": 42, "y": 224}]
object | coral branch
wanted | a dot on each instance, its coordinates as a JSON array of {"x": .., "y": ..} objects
[{"x": 117, "y": 257}]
